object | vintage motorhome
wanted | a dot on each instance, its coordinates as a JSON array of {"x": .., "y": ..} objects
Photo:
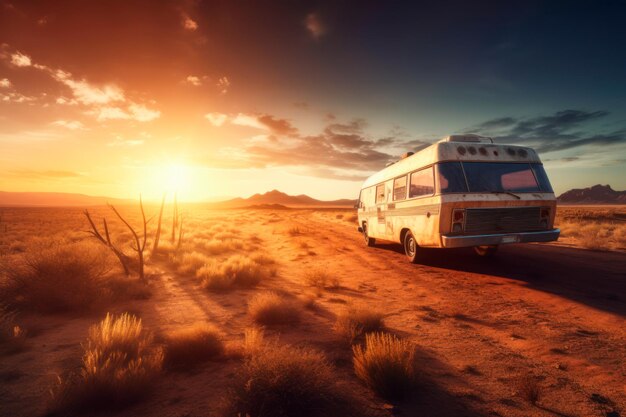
[{"x": 463, "y": 191}]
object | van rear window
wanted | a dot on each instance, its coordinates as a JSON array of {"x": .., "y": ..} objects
[
  {"x": 450, "y": 178},
  {"x": 498, "y": 176}
]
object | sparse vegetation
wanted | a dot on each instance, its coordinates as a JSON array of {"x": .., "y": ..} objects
[
  {"x": 12, "y": 336},
  {"x": 119, "y": 366},
  {"x": 598, "y": 229},
  {"x": 237, "y": 270},
  {"x": 321, "y": 279},
  {"x": 386, "y": 364},
  {"x": 358, "y": 320},
  {"x": 294, "y": 231},
  {"x": 189, "y": 346},
  {"x": 281, "y": 380},
  {"x": 57, "y": 277},
  {"x": 270, "y": 308}
]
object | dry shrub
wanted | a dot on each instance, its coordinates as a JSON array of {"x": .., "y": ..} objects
[
  {"x": 191, "y": 262},
  {"x": 357, "y": 321},
  {"x": 386, "y": 364},
  {"x": 270, "y": 308},
  {"x": 187, "y": 347},
  {"x": 119, "y": 367},
  {"x": 58, "y": 277},
  {"x": 352, "y": 218},
  {"x": 237, "y": 271},
  {"x": 12, "y": 336},
  {"x": 529, "y": 389},
  {"x": 321, "y": 279},
  {"x": 263, "y": 259},
  {"x": 217, "y": 246},
  {"x": 294, "y": 231},
  {"x": 281, "y": 381},
  {"x": 253, "y": 340},
  {"x": 339, "y": 216}
]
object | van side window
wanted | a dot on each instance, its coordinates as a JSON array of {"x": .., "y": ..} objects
[
  {"x": 380, "y": 193},
  {"x": 422, "y": 183},
  {"x": 399, "y": 188}
]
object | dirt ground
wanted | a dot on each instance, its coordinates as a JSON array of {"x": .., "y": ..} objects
[{"x": 480, "y": 326}]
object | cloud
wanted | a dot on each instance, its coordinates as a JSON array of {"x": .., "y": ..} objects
[
  {"x": 243, "y": 119},
  {"x": 189, "y": 23},
  {"x": 69, "y": 124},
  {"x": 87, "y": 93},
  {"x": 106, "y": 102},
  {"x": 141, "y": 113},
  {"x": 563, "y": 130},
  {"x": 5, "y": 83},
  {"x": 216, "y": 119},
  {"x": 223, "y": 84},
  {"x": 20, "y": 60},
  {"x": 66, "y": 101},
  {"x": 314, "y": 25},
  {"x": 120, "y": 141},
  {"x": 193, "y": 80},
  {"x": 136, "y": 112},
  {"x": 340, "y": 151},
  {"x": 14, "y": 97}
]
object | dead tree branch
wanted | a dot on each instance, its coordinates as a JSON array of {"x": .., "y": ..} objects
[
  {"x": 140, "y": 245},
  {"x": 106, "y": 241},
  {"x": 157, "y": 236}
]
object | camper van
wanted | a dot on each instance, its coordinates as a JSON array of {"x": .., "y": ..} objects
[{"x": 463, "y": 191}]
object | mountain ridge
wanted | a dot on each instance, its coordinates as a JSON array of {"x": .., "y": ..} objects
[{"x": 597, "y": 194}]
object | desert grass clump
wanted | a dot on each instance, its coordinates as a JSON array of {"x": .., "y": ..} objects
[
  {"x": 320, "y": 279},
  {"x": 12, "y": 336},
  {"x": 190, "y": 262},
  {"x": 270, "y": 308},
  {"x": 119, "y": 367},
  {"x": 57, "y": 277},
  {"x": 253, "y": 340},
  {"x": 236, "y": 271},
  {"x": 186, "y": 347},
  {"x": 386, "y": 364},
  {"x": 358, "y": 320},
  {"x": 294, "y": 231},
  {"x": 281, "y": 381}
]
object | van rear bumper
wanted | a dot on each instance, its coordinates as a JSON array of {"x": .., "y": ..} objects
[{"x": 499, "y": 239}]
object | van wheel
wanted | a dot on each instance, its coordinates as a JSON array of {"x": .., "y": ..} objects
[
  {"x": 410, "y": 247},
  {"x": 369, "y": 241},
  {"x": 486, "y": 251}
]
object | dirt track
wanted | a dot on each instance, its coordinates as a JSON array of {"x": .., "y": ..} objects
[{"x": 479, "y": 325}]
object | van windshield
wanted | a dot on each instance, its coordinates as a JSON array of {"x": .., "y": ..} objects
[{"x": 491, "y": 177}]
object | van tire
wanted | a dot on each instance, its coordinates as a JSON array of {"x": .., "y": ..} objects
[
  {"x": 411, "y": 249},
  {"x": 486, "y": 251},
  {"x": 369, "y": 241}
]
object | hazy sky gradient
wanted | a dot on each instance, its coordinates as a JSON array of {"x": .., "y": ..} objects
[{"x": 222, "y": 98}]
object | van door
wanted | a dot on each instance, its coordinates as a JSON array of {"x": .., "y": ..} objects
[{"x": 380, "y": 210}]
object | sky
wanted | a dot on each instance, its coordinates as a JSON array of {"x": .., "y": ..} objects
[{"x": 219, "y": 99}]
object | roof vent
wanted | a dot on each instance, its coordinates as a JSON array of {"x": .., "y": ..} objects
[
  {"x": 406, "y": 155},
  {"x": 467, "y": 138}
]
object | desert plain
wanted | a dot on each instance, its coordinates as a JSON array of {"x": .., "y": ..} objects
[{"x": 264, "y": 311}]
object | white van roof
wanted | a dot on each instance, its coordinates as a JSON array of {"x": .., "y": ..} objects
[{"x": 455, "y": 148}]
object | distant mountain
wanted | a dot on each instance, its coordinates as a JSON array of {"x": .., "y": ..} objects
[
  {"x": 280, "y": 198},
  {"x": 598, "y": 194},
  {"x": 32, "y": 199}
]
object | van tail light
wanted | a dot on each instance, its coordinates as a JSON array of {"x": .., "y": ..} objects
[{"x": 458, "y": 220}]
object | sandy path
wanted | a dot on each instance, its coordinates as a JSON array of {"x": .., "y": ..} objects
[{"x": 554, "y": 312}]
